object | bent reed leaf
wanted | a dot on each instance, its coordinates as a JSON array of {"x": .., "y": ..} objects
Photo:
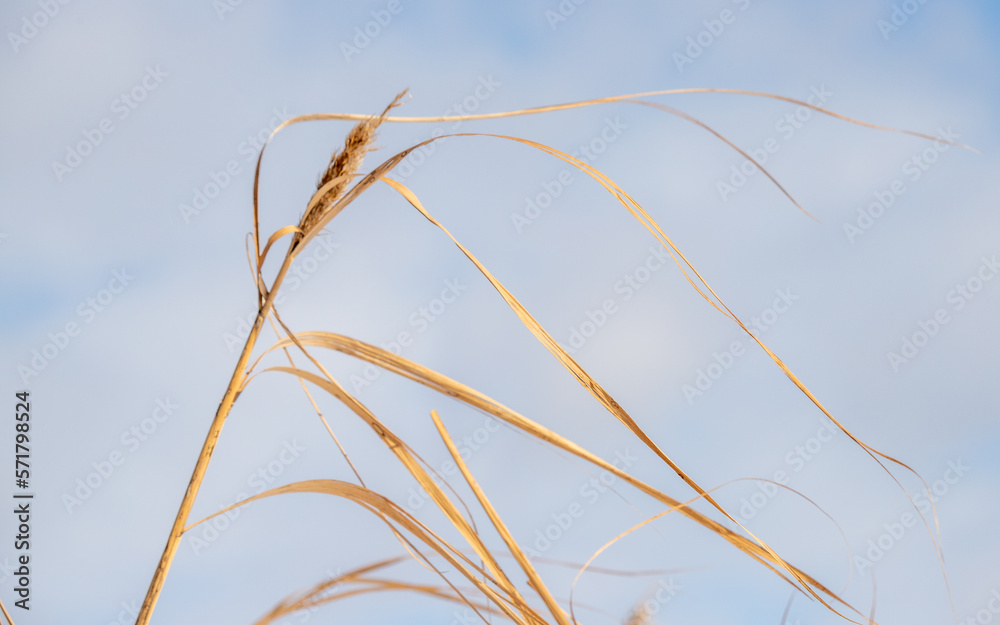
[{"x": 449, "y": 387}]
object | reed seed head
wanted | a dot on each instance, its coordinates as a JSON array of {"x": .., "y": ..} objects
[{"x": 345, "y": 163}]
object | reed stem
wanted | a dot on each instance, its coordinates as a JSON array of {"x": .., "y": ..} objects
[{"x": 198, "y": 475}]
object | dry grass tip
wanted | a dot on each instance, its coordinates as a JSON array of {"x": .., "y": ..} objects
[{"x": 344, "y": 164}]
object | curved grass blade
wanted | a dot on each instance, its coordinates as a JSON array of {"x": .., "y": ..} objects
[
  {"x": 585, "y": 379},
  {"x": 389, "y": 512},
  {"x": 533, "y": 578},
  {"x": 660, "y": 515},
  {"x": 449, "y": 387},
  {"x": 650, "y": 224}
]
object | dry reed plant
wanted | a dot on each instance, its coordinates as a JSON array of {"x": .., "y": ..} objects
[
  {"x": 489, "y": 589},
  {"x": 476, "y": 579}
]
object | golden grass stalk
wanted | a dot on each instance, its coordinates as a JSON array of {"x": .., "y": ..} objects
[
  {"x": 495, "y": 592},
  {"x": 342, "y": 167}
]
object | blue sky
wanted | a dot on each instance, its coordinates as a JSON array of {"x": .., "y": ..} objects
[{"x": 856, "y": 285}]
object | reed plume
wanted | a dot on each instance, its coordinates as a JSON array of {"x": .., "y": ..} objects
[{"x": 343, "y": 166}]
